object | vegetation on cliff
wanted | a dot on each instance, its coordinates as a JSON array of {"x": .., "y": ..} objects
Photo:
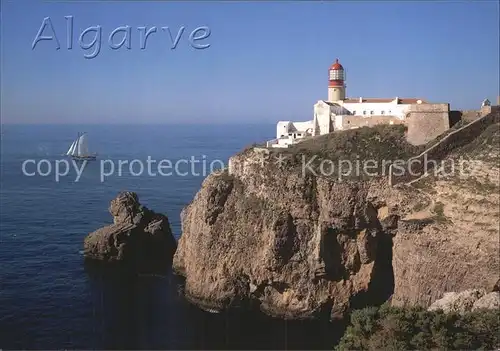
[
  {"x": 390, "y": 328},
  {"x": 346, "y": 152},
  {"x": 383, "y": 141}
]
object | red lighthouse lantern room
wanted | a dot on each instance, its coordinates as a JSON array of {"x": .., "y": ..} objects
[{"x": 336, "y": 75}]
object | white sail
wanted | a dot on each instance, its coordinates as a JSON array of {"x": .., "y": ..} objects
[
  {"x": 82, "y": 146},
  {"x": 71, "y": 149},
  {"x": 79, "y": 149}
]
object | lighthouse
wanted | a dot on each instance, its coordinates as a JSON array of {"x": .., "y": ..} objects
[{"x": 336, "y": 79}]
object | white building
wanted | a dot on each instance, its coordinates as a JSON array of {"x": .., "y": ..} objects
[{"x": 340, "y": 113}]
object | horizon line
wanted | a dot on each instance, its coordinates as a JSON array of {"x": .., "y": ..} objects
[{"x": 136, "y": 123}]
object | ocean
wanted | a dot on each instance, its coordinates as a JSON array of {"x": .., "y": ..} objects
[{"x": 49, "y": 300}]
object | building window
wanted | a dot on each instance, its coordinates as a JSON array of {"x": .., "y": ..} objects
[
  {"x": 353, "y": 112},
  {"x": 289, "y": 134},
  {"x": 364, "y": 112},
  {"x": 389, "y": 111},
  {"x": 371, "y": 112},
  {"x": 299, "y": 134},
  {"x": 382, "y": 112}
]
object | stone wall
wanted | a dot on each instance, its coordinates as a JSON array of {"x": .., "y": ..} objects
[
  {"x": 349, "y": 122},
  {"x": 426, "y": 122},
  {"x": 485, "y": 110},
  {"x": 416, "y": 167},
  {"x": 472, "y": 115}
]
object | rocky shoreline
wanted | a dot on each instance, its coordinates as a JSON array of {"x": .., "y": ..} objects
[
  {"x": 306, "y": 247},
  {"x": 299, "y": 246}
]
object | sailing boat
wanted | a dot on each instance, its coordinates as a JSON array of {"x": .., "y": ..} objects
[{"x": 79, "y": 149}]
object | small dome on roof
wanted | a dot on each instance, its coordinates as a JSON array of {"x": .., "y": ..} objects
[{"x": 336, "y": 65}]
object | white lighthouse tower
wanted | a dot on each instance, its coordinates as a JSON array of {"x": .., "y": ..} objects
[{"x": 336, "y": 82}]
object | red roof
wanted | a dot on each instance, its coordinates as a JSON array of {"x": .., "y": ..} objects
[
  {"x": 336, "y": 65},
  {"x": 386, "y": 100}
]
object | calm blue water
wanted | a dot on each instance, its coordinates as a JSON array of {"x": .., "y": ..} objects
[{"x": 49, "y": 300}]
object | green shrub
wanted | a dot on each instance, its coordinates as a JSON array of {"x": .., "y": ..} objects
[{"x": 390, "y": 328}]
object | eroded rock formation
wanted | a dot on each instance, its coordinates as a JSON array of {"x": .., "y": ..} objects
[
  {"x": 138, "y": 237},
  {"x": 467, "y": 301},
  {"x": 456, "y": 246},
  {"x": 299, "y": 245}
]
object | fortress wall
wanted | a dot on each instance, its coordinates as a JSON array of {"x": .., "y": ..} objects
[
  {"x": 426, "y": 122},
  {"x": 415, "y": 167},
  {"x": 485, "y": 110},
  {"x": 472, "y": 115},
  {"x": 349, "y": 122}
]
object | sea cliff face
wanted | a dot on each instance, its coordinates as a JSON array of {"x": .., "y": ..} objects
[
  {"x": 300, "y": 245},
  {"x": 296, "y": 245},
  {"x": 459, "y": 249}
]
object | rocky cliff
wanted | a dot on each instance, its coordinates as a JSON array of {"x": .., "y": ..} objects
[
  {"x": 459, "y": 249},
  {"x": 301, "y": 243},
  {"x": 466, "y": 301},
  {"x": 139, "y": 238}
]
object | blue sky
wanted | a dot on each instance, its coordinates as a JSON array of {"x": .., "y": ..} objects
[{"x": 266, "y": 60}]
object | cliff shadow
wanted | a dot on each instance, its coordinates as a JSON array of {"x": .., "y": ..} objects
[
  {"x": 455, "y": 117},
  {"x": 381, "y": 286},
  {"x": 331, "y": 254},
  {"x": 133, "y": 311},
  {"x": 240, "y": 329},
  {"x": 136, "y": 311}
]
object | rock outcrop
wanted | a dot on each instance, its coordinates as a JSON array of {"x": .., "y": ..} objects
[
  {"x": 138, "y": 237},
  {"x": 296, "y": 245},
  {"x": 458, "y": 249},
  {"x": 467, "y": 301},
  {"x": 296, "y": 252},
  {"x": 304, "y": 245}
]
